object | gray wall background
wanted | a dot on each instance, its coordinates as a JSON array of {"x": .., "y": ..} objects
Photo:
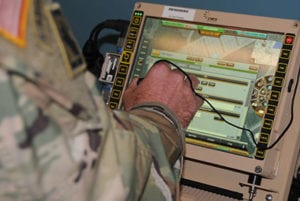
[{"x": 83, "y": 15}]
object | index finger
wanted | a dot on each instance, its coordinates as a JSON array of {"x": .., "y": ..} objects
[{"x": 160, "y": 68}]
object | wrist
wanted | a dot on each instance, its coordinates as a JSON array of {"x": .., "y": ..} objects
[{"x": 171, "y": 130}]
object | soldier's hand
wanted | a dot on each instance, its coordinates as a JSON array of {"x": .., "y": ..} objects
[{"x": 168, "y": 87}]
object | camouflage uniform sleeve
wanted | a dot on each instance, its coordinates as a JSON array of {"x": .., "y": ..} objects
[
  {"x": 116, "y": 156},
  {"x": 144, "y": 150}
]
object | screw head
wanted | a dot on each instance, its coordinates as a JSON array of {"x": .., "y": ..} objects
[
  {"x": 269, "y": 197},
  {"x": 258, "y": 169}
]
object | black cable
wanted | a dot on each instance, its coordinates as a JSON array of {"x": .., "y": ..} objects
[
  {"x": 118, "y": 25},
  {"x": 236, "y": 126},
  {"x": 92, "y": 55}
]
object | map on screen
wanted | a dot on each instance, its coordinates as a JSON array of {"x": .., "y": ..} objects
[{"x": 235, "y": 68}]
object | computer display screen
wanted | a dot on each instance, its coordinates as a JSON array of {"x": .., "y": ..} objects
[
  {"x": 235, "y": 68},
  {"x": 241, "y": 70}
]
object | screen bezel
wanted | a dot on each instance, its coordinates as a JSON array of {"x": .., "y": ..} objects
[{"x": 198, "y": 153}]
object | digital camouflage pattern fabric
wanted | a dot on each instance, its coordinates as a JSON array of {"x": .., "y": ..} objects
[{"x": 59, "y": 141}]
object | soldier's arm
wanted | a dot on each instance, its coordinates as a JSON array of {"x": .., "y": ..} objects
[{"x": 146, "y": 143}]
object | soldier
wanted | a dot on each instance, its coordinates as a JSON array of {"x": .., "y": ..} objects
[{"x": 59, "y": 141}]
